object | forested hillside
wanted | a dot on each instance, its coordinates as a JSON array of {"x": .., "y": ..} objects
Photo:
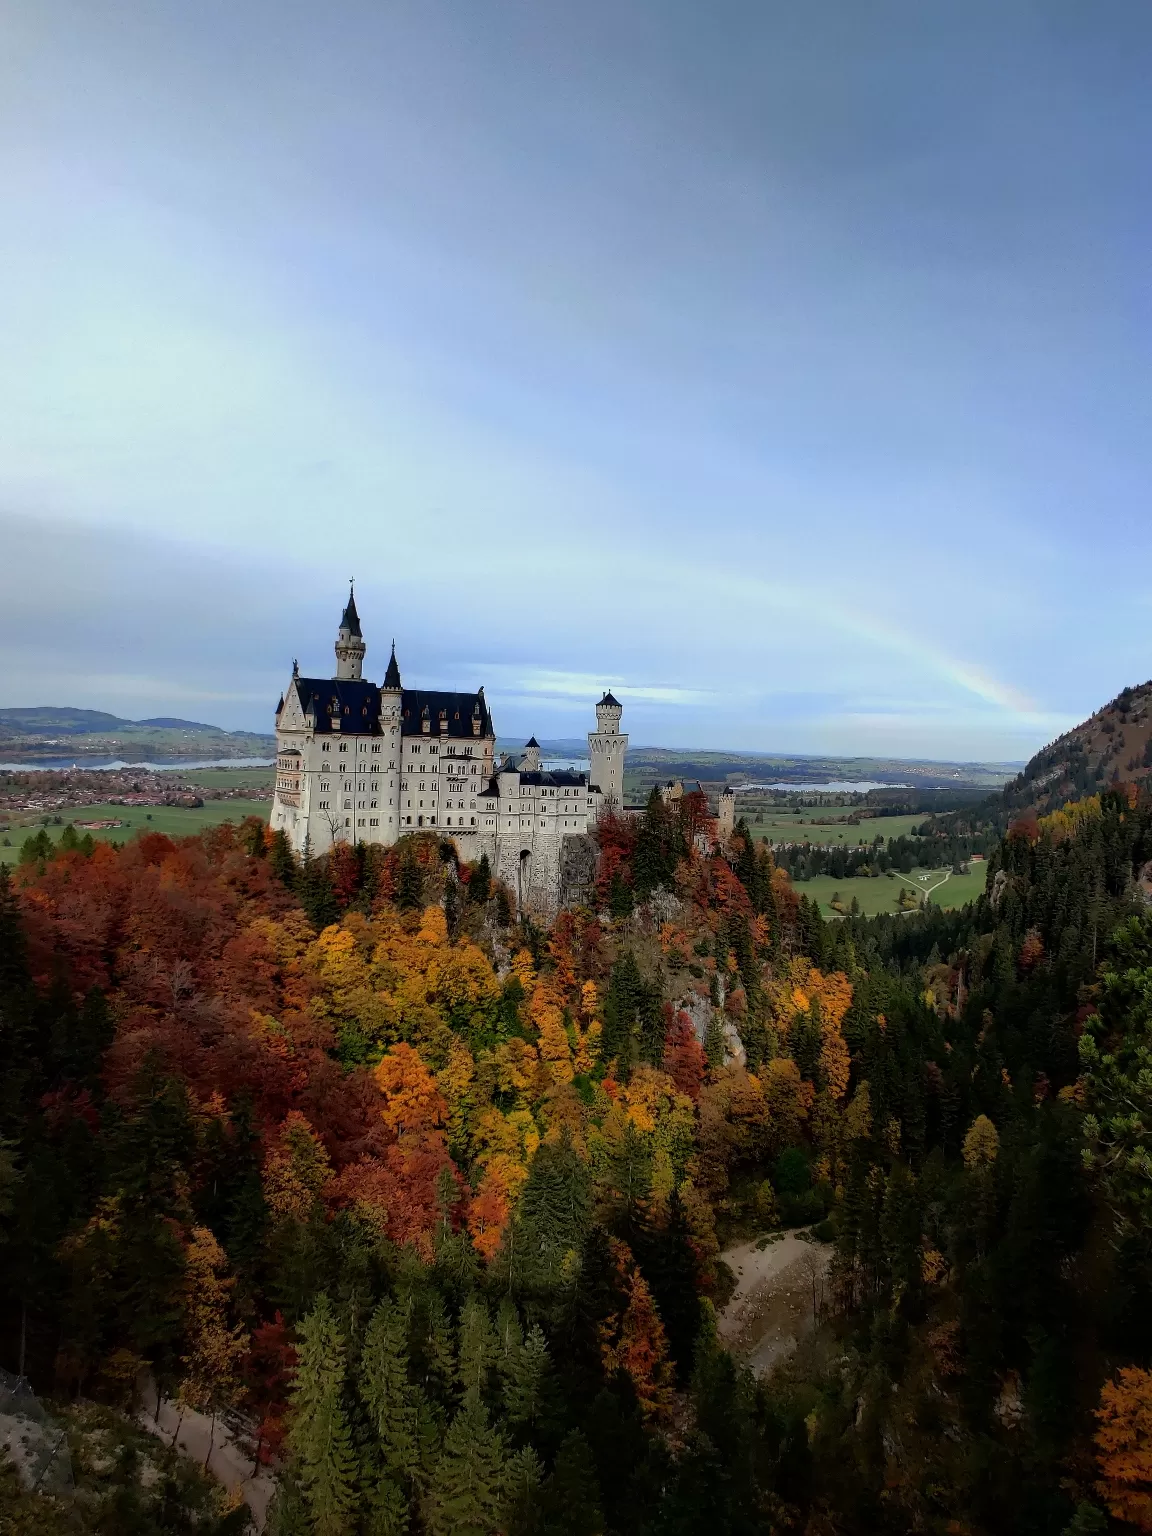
[
  {"x": 1113, "y": 746},
  {"x": 434, "y": 1200}
]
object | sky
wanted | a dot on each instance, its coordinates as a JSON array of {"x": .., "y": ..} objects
[{"x": 784, "y": 368}]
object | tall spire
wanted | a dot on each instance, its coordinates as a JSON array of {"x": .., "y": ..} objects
[
  {"x": 392, "y": 676},
  {"x": 350, "y": 645},
  {"x": 351, "y": 619}
]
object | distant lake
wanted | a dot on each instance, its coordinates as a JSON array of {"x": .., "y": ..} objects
[
  {"x": 833, "y": 787},
  {"x": 64, "y": 764}
]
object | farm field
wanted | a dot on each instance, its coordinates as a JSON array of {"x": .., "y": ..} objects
[
  {"x": 173, "y": 820},
  {"x": 229, "y": 778},
  {"x": 824, "y": 825},
  {"x": 882, "y": 894}
]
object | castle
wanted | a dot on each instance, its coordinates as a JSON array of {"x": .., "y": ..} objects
[{"x": 358, "y": 762}]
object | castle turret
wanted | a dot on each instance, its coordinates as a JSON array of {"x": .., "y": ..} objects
[
  {"x": 606, "y": 748},
  {"x": 530, "y": 763},
  {"x": 726, "y": 822},
  {"x": 350, "y": 645}
]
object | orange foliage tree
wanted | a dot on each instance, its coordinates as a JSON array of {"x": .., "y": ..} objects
[{"x": 1124, "y": 1446}]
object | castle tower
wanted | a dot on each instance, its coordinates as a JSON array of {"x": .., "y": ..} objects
[
  {"x": 350, "y": 645},
  {"x": 531, "y": 760},
  {"x": 606, "y": 748},
  {"x": 726, "y": 822}
]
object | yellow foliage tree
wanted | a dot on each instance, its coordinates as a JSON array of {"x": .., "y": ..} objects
[
  {"x": 296, "y": 1170},
  {"x": 211, "y": 1378},
  {"x": 547, "y": 1016},
  {"x": 981, "y": 1144}
]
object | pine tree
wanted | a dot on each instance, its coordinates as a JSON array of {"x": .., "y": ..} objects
[
  {"x": 436, "y": 1348},
  {"x": 396, "y": 1407},
  {"x": 522, "y": 1500},
  {"x": 319, "y": 1436},
  {"x": 469, "y": 1483},
  {"x": 480, "y": 885},
  {"x": 525, "y": 1369},
  {"x": 317, "y": 896},
  {"x": 552, "y": 1217},
  {"x": 570, "y": 1499},
  {"x": 509, "y": 1333},
  {"x": 281, "y": 859},
  {"x": 668, "y": 1263},
  {"x": 478, "y": 1346},
  {"x": 410, "y": 882}
]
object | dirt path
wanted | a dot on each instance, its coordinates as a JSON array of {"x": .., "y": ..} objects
[
  {"x": 228, "y": 1463},
  {"x": 779, "y": 1288}
]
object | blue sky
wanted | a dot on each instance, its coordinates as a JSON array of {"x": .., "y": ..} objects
[{"x": 783, "y": 367}]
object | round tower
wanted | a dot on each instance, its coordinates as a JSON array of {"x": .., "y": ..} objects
[
  {"x": 350, "y": 645},
  {"x": 727, "y": 818},
  {"x": 530, "y": 763},
  {"x": 606, "y": 749}
]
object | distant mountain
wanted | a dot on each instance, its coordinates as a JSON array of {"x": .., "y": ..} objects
[
  {"x": 46, "y": 719},
  {"x": 1113, "y": 746},
  {"x": 53, "y": 731}
]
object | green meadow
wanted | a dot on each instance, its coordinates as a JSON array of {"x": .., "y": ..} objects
[
  {"x": 229, "y": 778},
  {"x": 882, "y": 894},
  {"x": 825, "y": 825},
  {"x": 174, "y": 821}
]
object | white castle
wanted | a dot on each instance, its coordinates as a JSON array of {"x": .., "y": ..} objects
[{"x": 358, "y": 762}]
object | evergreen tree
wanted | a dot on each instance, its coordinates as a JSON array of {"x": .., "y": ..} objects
[
  {"x": 317, "y": 896},
  {"x": 478, "y": 1346},
  {"x": 469, "y": 1484},
  {"x": 480, "y": 885},
  {"x": 409, "y": 881},
  {"x": 281, "y": 859},
  {"x": 551, "y": 1219},
  {"x": 522, "y": 1499},
  {"x": 668, "y": 1263},
  {"x": 319, "y": 1437},
  {"x": 570, "y": 1499},
  {"x": 396, "y": 1407},
  {"x": 524, "y": 1370}
]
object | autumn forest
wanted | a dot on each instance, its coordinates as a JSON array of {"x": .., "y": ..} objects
[{"x": 424, "y": 1206}]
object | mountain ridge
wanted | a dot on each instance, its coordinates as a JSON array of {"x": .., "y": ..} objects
[{"x": 1113, "y": 746}]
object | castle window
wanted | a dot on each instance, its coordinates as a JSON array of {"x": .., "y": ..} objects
[
  {"x": 323, "y": 805},
  {"x": 325, "y": 786},
  {"x": 343, "y": 746},
  {"x": 360, "y": 821},
  {"x": 374, "y": 821},
  {"x": 325, "y": 746}
]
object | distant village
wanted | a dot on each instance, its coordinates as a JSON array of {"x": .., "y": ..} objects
[{"x": 48, "y": 792}]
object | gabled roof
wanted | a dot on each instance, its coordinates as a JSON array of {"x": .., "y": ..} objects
[
  {"x": 351, "y": 619},
  {"x": 392, "y": 676}
]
